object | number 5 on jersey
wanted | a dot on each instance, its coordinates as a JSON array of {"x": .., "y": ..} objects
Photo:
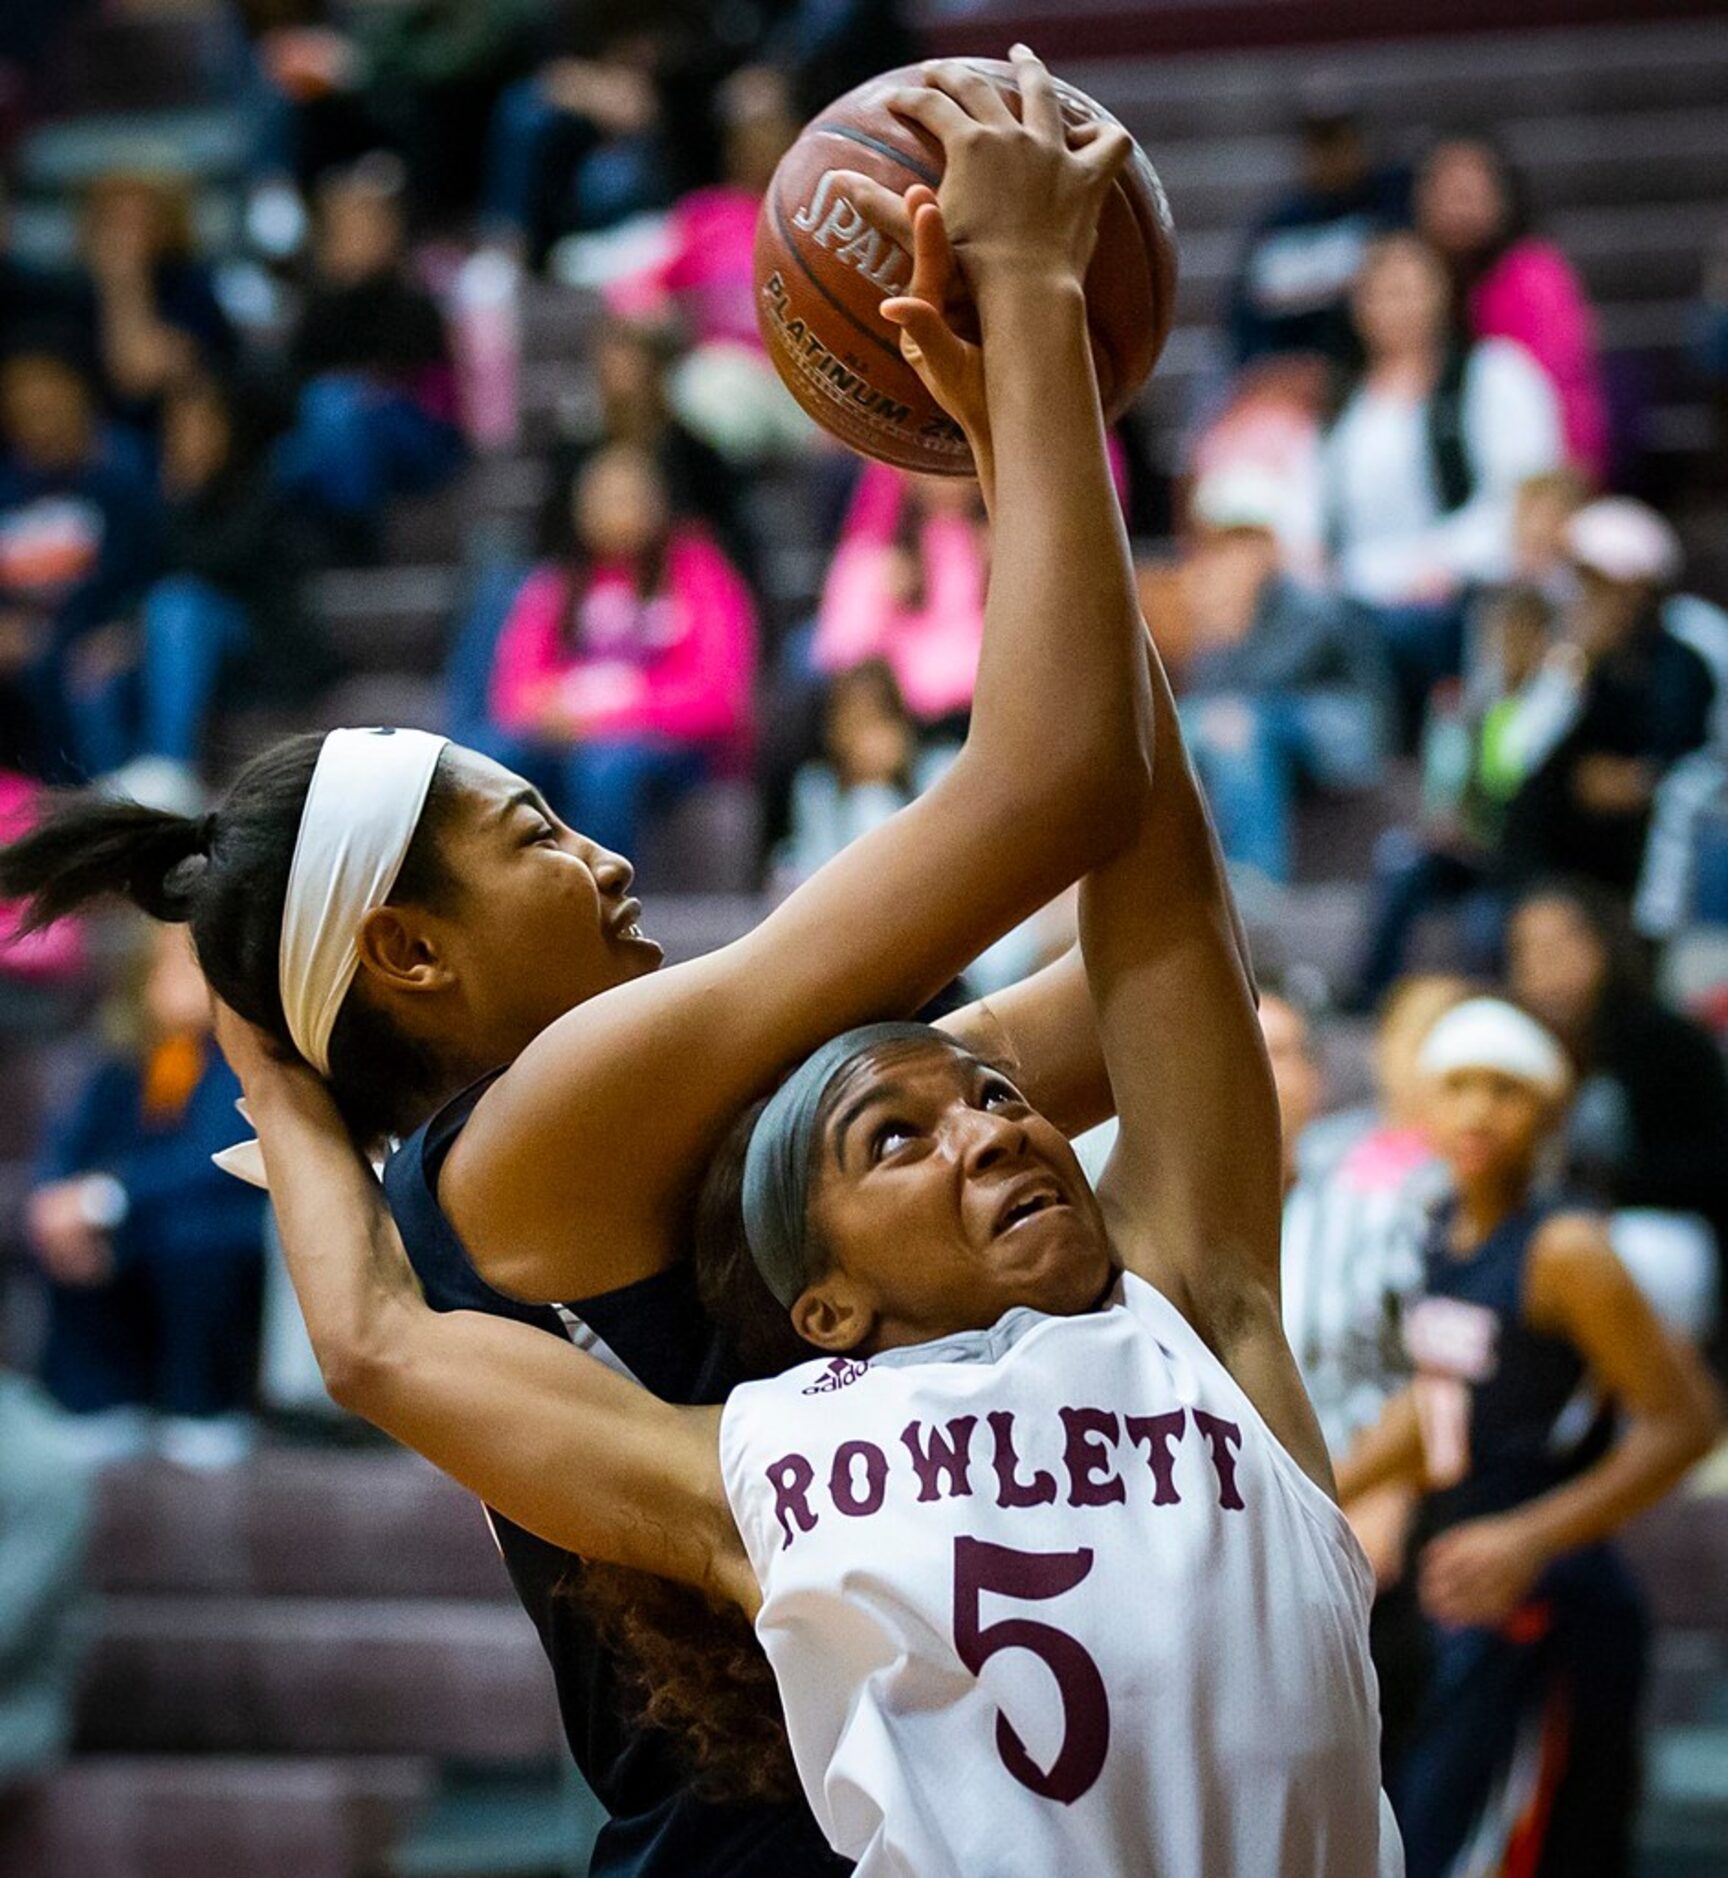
[{"x": 1032, "y": 1576}]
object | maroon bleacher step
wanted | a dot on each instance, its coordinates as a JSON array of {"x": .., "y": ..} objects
[
  {"x": 149, "y": 1816},
  {"x": 298, "y": 1523},
  {"x": 318, "y": 1676}
]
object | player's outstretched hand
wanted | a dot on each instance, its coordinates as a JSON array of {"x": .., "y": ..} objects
[
  {"x": 951, "y": 366},
  {"x": 1020, "y": 196}
]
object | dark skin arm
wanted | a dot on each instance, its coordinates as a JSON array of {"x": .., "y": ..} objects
[
  {"x": 1193, "y": 1193},
  {"x": 1577, "y": 1289},
  {"x": 609, "y": 1113},
  {"x": 554, "y": 1440}
]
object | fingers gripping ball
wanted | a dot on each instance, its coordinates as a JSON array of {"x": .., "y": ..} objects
[{"x": 824, "y": 266}]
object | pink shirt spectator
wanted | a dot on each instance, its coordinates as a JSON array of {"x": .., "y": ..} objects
[
  {"x": 932, "y": 644},
  {"x": 56, "y": 952},
  {"x": 1532, "y": 295},
  {"x": 678, "y": 665},
  {"x": 709, "y": 273}
]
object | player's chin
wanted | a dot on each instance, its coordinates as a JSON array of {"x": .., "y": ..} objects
[{"x": 1057, "y": 1262}]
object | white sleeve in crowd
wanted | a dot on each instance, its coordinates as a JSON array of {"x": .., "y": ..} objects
[{"x": 1512, "y": 430}]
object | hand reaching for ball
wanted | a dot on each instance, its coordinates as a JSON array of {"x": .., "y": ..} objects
[
  {"x": 950, "y": 365},
  {"x": 1020, "y": 196}
]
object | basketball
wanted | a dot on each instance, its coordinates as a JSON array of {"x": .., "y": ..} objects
[{"x": 822, "y": 272}]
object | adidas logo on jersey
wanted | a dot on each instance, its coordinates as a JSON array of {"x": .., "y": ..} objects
[{"x": 840, "y": 1372}]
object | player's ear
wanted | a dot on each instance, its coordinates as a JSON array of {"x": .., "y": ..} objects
[
  {"x": 833, "y": 1314},
  {"x": 399, "y": 950}
]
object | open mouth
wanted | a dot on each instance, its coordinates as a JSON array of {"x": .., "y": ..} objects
[
  {"x": 626, "y": 922},
  {"x": 1041, "y": 1199}
]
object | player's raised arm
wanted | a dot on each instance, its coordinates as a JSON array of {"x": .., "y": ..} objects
[
  {"x": 1193, "y": 1190},
  {"x": 541, "y": 1431},
  {"x": 611, "y": 1108}
]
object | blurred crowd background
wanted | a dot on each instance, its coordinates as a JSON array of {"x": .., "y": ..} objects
[{"x": 372, "y": 361}]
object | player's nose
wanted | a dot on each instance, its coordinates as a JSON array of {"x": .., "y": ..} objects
[
  {"x": 612, "y": 872},
  {"x": 989, "y": 1139}
]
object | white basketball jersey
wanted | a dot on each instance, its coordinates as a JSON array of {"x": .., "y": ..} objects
[{"x": 1049, "y": 1599}]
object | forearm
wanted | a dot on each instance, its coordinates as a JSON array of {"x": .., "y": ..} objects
[
  {"x": 139, "y": 349},
  {"x": 344, "y": 1259},
  {"x": 1650, "y": 1457},
  {"x": 1061, "y": 680},
  {"x": 1389, "y": 1453},
  {"x": 557, "y": 1443}
]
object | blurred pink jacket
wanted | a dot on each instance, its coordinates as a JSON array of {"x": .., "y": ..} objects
[
  {"x": 55, "y": 952},
  {"x": 933, "y": 649},
  {"x": 1532, "y": 295},
  {"x": 709, "y": 275},
  {"x": 680, "y": 667}
]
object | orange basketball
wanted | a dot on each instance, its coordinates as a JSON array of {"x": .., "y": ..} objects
[{"x": 822, "y": 271}]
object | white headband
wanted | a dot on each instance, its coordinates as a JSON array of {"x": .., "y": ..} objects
[
  {"x": 363, "y": 804},
  {"x": 361, "y": 811},
  {"x": 1489, "y": 1033}
]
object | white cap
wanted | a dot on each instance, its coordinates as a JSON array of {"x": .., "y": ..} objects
[
  {"x": 1489, "y": 1033},
  {"x": 1241, "y": 495},
  {"x": 1624, "y": 540}
]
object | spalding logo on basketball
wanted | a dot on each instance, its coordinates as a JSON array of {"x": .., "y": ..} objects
[{"x": 822, "y": 272}]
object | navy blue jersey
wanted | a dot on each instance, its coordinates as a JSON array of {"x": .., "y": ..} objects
[
  {"x": 658, "y": 1330},
  {"x": 1531, "y": 1422}
]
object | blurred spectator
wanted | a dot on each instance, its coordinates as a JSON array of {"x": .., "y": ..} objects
[
  {"x": 1641, "y": 699},
  {"x": 156, "y": 313},
  {"x": 1295, "y": 1072},
  {"x": 1685, "y": 874},
  {"x": 1511, "y": 284},
  {"x": 1291, "y": 292},
  {"x": 77, "y": 542},
  {"x": 631, "y": 361},
  {"x": 1542, "y": 514},
  {"x": 1351, "y": 1255},
  {"x": 1284, "y": 684},
  {"x": 1355, "y": 1210},
  {"x": 38, "y": 305},
  {"x": 1481, "y": 741},
  {"x": 45, "y": 1519},
  {"x": 51, "y": 955},
  {"x": 629, "y": 663},
  {"x": 1421, "y": 461},
  {"x": 578, "y": 145},
  {"x": 1649, "y": 1126},
  {"x": 418, "y": 77},
  {"x": 831, "y": 45},
  {"x": 153, "y": 1255},
  {"x": 868, "y": 769},
  {"x": 226, "y": 617},
  {"x": 372, "y": 361},
  {"x": 725, "y": 388},
  {"x": 907, "y": 584}
]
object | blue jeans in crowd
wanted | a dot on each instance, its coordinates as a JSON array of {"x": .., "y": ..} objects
[
  {"x": 549, "y": 171},
  {"x": 603, "y": 788},
  {"x": 190, "y": 630},
  {"x": 46, "y": 1503},
  {"x": 1253, "y": 751},
  {"x": 171, "y": 1332},
  {"x": 1423, "y": 645},
  {"x": 356, "y": 443},
  {"x": 1411, "y": 879}
]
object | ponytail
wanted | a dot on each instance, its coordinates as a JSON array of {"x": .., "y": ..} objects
[
  {"x": 226, "y": 875},
  {"x": 89, "y": 848}
]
